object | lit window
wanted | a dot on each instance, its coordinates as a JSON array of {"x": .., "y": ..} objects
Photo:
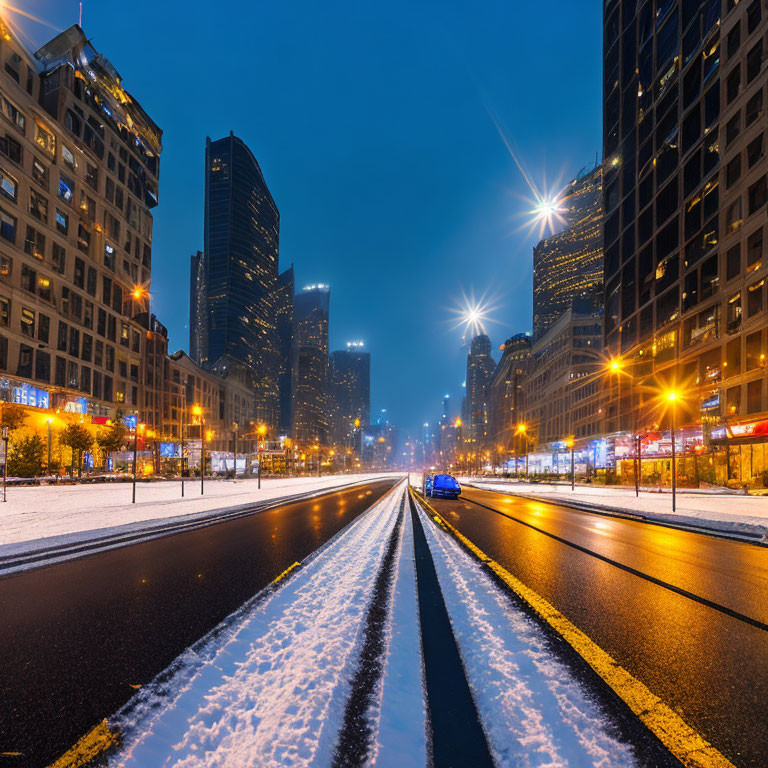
[
  {"x": 8, "y": 185},
  {"x": 68, "y": 156},
  {"x": 5, "y": 311},
  {"x": 27, "y": 322},
  {"x": 13, "y": 114},
  {"x": 62, "y": 221},
  {"x": 39, "y": 173},
  {"x": 7, "y": 226},
  {"x": 45, "y": 139},
  {"x": 66, "y": 188}
]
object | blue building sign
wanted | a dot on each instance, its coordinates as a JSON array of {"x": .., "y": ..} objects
[{"x": 32, "y": 396}]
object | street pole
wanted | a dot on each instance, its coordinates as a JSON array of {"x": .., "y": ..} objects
[
  {"x": 5, "y": 463},
  {"x": 573, "y": 471},
  {"x": 135, "y": 458},
  {"x": 258, "y": 472},
  {"x": 202, "y": 455},
  {"x": 49, "y": 446},
  {"x": 639, "y": 468},
  {"x": 235, "y": 475},
  {"x": 674, "y": 468},
  {"x": 181, "y": 429}
]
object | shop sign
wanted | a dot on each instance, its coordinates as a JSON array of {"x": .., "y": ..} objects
[
  {"x": 711, "y": 402},
  {"x": 32, "y": 396},
  {"x": 78, "y": 405},
  {"x": 170, "y": 450},
  {"x": 753, "y": 429},
  {"x": 131, "y": 421}
]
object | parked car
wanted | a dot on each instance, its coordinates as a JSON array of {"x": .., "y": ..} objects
[{"x": 443, "y": 486}]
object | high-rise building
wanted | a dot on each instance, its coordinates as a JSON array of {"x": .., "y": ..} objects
[
  {"x": 505, "y": 394},
  {"x": 350, "y": 389},
  {"x": 569, "y": 265},
  {"x": 79, "y": 164},
  {"x": 198, "y": 309},
  {"x": 311, "y": 308},
  {"x": 480, "y": 368},
  {"x": 242, "y": 229},
  {"x": 685, "y": 194},
  {"x": 284, "y": 318}
]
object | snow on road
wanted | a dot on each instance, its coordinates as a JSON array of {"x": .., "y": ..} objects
[
  {"x": 63, "y": 514},
  {"x": 272, "y": 690},
  {"x": 534, "y": 712},
  {"x": 730, "y": 512}
]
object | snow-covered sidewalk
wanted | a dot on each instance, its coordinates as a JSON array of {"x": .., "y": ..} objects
[
  {"x": 729, "y": 512},
  {"x": 271, "y": 686},
  {"x": 63, "y": 514}
]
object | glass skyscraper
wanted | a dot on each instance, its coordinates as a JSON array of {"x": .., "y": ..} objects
[
  {"x": 242, "y": 229},
  {"x": 350, "y": 390}
]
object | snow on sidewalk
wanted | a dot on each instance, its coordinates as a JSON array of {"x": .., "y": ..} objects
[
  {"x": 745, "y": 514},
  {"x": 534, "y": 712},
  {"x": 271, "y": 689},
  {"x": 63, "y": 514}
]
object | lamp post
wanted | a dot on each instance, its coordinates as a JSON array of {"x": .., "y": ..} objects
[
  {"x": 262, "y": 432},
  {"x": 138, "y": 428},
  {"x": 181, "y": 430},
  {"x": 672, "y": 397},
  {"x": 234, "y": 430},
  {"x": 197, "y": 410},
  {"x": 616, "y": 367},
  {"x": 49, "y": 421},
  {"x": 5, "y": 462},
  {"x": 570, "y": 444}
]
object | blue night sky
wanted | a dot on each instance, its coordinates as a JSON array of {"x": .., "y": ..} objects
[{"x": 371, "y": 123}]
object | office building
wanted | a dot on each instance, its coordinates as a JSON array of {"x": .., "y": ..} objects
[
  {"x": 569, "y": 265},
  {"x": 350, "y": 389},
  {"x": 242, "y": 228},
  {"x": 685, "y": 197},
  {"x": 79, "y": 160},
  {"x": 480, "y": 368},
  {"x": 284, "y": 321},
  {"x": 198, "y": 309},
  {"x": 311, "y": 308}
]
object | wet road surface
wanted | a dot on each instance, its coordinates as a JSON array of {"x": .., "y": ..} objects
[
  {"x": 77, "y": 638},
  {"x": 685, "y": 613}
]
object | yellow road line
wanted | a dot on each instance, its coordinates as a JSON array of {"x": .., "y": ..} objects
[
  {"x": 686, "y": 744},
  {"x": 285, "y": 573},
  {"x": 95, "y": 743}
]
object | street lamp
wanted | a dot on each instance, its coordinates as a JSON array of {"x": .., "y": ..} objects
[
  {"x": 262, "y": 432},
  {"x": 49, "y": 421},
  {"x": 235, "y": 427},
  {"x": 672, "y": 397},
  {"x": 616, "y": 367},
  {"x": 197, "y": 410},
  {"x": 570, "y": 442},
  {"x": 522, "y": 432},
  {"x": 5, "y": 431},
  {"x": 138, "y": 428}
]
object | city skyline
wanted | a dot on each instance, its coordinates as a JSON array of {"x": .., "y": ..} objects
[{"x": 440, "y": 212}]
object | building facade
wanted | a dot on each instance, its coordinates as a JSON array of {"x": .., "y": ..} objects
[
  {"x": 198, "y": 309},
  {"x": 311, "y": 310},
  {"x": 480, "y": 368},
  {"x": 505, "y": 397},
  {"x": 350, "y": 393},
  {"x": 569, "y": 264},
  {"x": 685, "y": 197},
  {"x": 79, "y": 166},
  {"x": 284, "y": 317},
  {"x": 242, "y": 230}
]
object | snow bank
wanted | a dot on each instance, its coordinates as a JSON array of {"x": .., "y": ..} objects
[
  {"x": 533, "y": 711},
  {"x": 61, "y": 514},
  {"x": 735, "y": 513},
  {"x": 271, "y": 691}
]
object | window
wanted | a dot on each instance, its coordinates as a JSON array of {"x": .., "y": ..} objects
[
  {"x": 44, "y": 288},
  {"x": 733, "y": 262},
  {"x": 38, "y": 205},
  {"x": 754, "y": 61},
  {"x": 45, "y": 139},
  {"x": 5, "y": 311},
  {"x": 12, "y": 66},
  {"x": 24, "y": 367},
  {"x": 79, "y": 274},
  {"x": 7, "y": 226},
  {"x": 62, "y": 221},
  {"x": 90, "y": 285},
  {"x": 733, "y": 217},
  {"x": 87, "y": 350},
  {"x": 6, "y": 266},
  {"x": 757, "y": 195},
  {"x": 74, "y": 342},
  {"x": 88, "y": 314},
  {"x": 92, "y": 176},
  {"x": 9, "y": 187},
  {"x": 755, "y": 298},
  {"x": 755, "y": 248},
  {"x": 733, "y": 317},
  {"x": 106, "y": 290},
  {"x": 754, "y": 348},
  {"x": 753, "y": 16},
  {"x": 733, "y": 171},
  {"x": 11, "y": 148},
  {"x": 28, "y": 279},
  {"x": 40, "y": 173},
  {"x": 28, "y": 322},
  {"x": 732, "y": 84},
  {"x": 68, "y": 156},
  {"x": 34, "y": 243},
  {"x": 43, "y": 327},
  {"x": 60, "y": 376},
  {"x": 732, "y": 129},
  {"x": 755, "y": 150},
  {"x": 734, "y": 40},
  {"x": 732, "y": 400},
  {"x": 755, "y": 396},
  {"x": 12, "y": 112},
  {"x": 83, "y": 238},
  {"x": 109, "y": 256},
  {"x": 42, "y": 366},
  {"x": 66, "y": 188},
  {"x": 754, "y": 108}
]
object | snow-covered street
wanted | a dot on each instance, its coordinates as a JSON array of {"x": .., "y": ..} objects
[
  {"x": 67, "y": 513},
  {"x": 271, "y": 687}
]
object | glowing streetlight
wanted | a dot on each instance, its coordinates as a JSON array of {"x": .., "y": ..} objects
[
  {"x": 672, "y": 397},
  {"x": 570, "y": 442},
  {"x": 197, "y": 411}
]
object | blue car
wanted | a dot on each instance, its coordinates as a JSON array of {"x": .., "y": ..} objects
[{"x": 444, "y": 486}]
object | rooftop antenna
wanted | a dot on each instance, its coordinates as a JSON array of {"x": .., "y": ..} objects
[{"x": 80, "y": 23}]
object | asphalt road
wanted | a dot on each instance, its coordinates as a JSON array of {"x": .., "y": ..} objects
[
  {"x": 77, "y": 638},
  {"x": 686, "y": 614}
]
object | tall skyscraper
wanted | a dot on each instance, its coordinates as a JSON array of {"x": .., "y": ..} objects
[
  {"x": 350, "y": 389},
  {"x": 311, "y": 308},
  {"x": 284, "y": 318},
  {"x": 685, "y": 195},
  {"x": 505, "y": 391},
  {"x": 569, "y": 264},
  {"x": 242, "y": 229},
  {"x": 198, "y": 309},
  {"x": 480, "y": 367}
]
